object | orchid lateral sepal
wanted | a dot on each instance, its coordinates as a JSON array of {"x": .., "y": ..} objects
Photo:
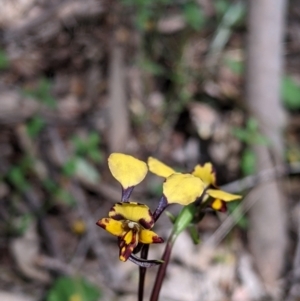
[{"x": 145, "y": 263}]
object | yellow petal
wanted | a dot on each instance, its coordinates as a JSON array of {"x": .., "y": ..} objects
[
  {"x": 206, "y": 173},
  {"x": 128, "y": 237},
  {"x": 126, "y": 169},
  {"x": 217, "y": 204},
  {"x": 149, "y": 237},
  {"x": 222, "y": 195},
  {"x": 112, "y": 226},
  {"x": 132, "y": 211},
  {"x": 182, "y": 188},
  {"x": 159, "y": 168}
]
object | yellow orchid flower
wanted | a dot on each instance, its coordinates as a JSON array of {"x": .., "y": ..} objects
[
  {"x": 178, "y": 188},
  {"x": 128, "y": 171},
  {"x": 131, "y": 223},
  {"x": 207, "y": 176},
  {"x": 182, "y": 188},
  {"x": 207, "y": 173}
]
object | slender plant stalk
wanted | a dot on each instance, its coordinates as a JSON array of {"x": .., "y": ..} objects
[
  {"x": 162, "y": 268},
  {"x": 143, "y": 271},
  {"x": 145, "y": 249}
]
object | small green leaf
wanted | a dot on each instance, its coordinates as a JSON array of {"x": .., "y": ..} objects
[
  {"x": 221, "y": 7},
  {"x": 42, "y": 93},
  {"x": 35, "y": 126},
  {"x": 241, "y": 134},
  {"x": 171, "y": 217},
  {"x": 64, "y": 196},
  {"x": 193, "y": 15},
  {"x": 240, "y": 219},
  {"x": 235, "y": 66},
  {"x": 86, "y": 171},
  {"x": 69, "y": 167},
  {"x": 95, "y": 155},
  {"x": 194, "y": 234},
  {"x": 260, "y": 140},
  {"x": 17, "y": 178},
  {"x": 49, "y": 185},
  {"x": 93, "y": 139},
  {"x": 22, "y": 223},
  {"x": 184, "y": 219},
  {"x": 4, "y": 61},
  {"x": 248, "y": 163},
  {"x": 290, "y": 92},
  {"x": 252, "y": 125},
  {"x": 152, "y": 67},
  {"x": 73, "y": 289}
]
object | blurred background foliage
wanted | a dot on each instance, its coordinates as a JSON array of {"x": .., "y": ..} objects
[{"x": 183, "y": 66}]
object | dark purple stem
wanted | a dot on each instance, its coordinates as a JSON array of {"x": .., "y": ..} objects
[
  {"x": 126, "y": 193},
  {"x": 144, "y": 255},
  {"x": 162, "y": 205},
  {"x": 162, "y": 271}
]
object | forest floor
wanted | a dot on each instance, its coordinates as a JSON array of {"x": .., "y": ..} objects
[{"x": 79, "y": 80}]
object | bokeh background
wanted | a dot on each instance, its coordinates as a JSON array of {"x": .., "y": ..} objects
[{"x": 185, "y": 81}]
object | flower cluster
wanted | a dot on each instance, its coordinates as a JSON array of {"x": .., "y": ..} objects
[{"x": 132, "y": 222}]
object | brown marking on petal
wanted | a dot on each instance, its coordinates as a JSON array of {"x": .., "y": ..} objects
[
  {"x": 125, "y": 252},
  {"x": 157, "y": 240},
  {"x": 223, "y": 208},
  {"x": 117, "y": 217},
  {"x": 101, "y": 222},
  {"x": 147, "y": 224}
]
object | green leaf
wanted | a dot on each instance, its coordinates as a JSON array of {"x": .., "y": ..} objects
[
  {"x": 17, "y": 178},
  {"x": 194, "y": 16},
  {"x": 171, "y": 217},
  {"x": 194, "y": 234},
  {"x": 235, "y": 66},
  {"x": 241, "y": 134},
  {"x": 184, "y": 219},
  {"x": 4, "y": 61},
  {"x": 290, "y": 92},
  {"x": 49, "y": 185},
  {"x": 42, "y": 93},
  {"x": 86, "y": 171},
  {"x": 94, "y": 139},
  {"x": 248, "y": 163},
  {"x": 22, "y": 223},
  {"x": 221, "y": 7},
  {"x": 35, "y": 126},
  {"x": 240, "y": 219},
  {"x": 64, "y": 196},
  {"x": 69, "y": 167},
  {"x": 252, "y": 125},
  {"x": 151, "y": 67},
  {"x": 73, "y": 289},
  {"x": 260, "y": 140},
  {"x": 95, "y": 155},
  {"x": 80, "y": 145}
]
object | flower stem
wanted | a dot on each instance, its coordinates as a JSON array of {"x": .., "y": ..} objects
[
  {"x": 162, "y": 269},
  {"x": 142, "y": 275}
]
